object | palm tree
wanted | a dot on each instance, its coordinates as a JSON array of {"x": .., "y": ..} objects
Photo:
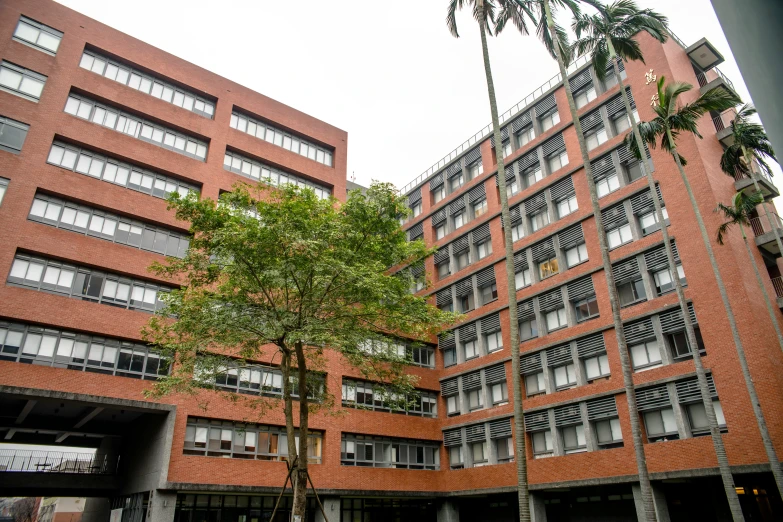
[
  {"x": 607, "y": 35},
  {"x": 672, "y": 120},
  {"x": 555, "y": 39},
  {"x": 484, "y": 11},
  {"x": 739, "y": 214}
]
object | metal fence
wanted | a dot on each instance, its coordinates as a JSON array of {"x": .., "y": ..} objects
[
  {"x": 777, "y": 282},
  {"x": 761, "y": 226},
  {"x": 57, "y": 462}
]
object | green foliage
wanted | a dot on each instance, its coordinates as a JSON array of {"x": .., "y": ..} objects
[
  {"x": 748, "y": 138},
  {"x": 738, "y": 213},
  {"x": 270, "y": 270}
]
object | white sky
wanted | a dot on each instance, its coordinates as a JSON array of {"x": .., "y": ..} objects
[{"x": 390, "y": 74}]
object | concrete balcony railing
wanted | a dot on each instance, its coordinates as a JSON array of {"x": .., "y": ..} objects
[
  {"x": 765, "y": 235},
  {"x": 57, "y": 462},
  {"x": 777, "y": 283},
  {"x": 744, "y": 183}
]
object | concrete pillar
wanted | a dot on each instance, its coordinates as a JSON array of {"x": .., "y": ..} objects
[
  {"x": 161, "y": 506},
  {"x": 332, "y": 508},
  {"x": 537, "y": 508},
  {"x": 659, "y": 501},
  {"x": 96, "y": 510},
  {"x": 448, "y": 512}
]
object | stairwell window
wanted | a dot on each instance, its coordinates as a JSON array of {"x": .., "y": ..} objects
[
  {"x": 534, "y": 384},
  {"x": 596, "y": 138},
  {"x": 608, "y": 433},
  {"x": 542, "y": 444},
  {"x": 660, "y": 425},
  {"x": 645, "y": 356},
  {"x": 549, "y": 119},
  {"x": 619, "y": 236},
  {"x": 607, "y": 185}
]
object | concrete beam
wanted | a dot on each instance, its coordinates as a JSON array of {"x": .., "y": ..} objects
[
  {"x": 87, "y": 418},
  {"x": 28, "y": 407}
]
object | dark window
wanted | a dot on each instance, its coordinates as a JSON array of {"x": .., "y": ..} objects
[
  {"x": 631, "y": 292},
  {"x": 586, "y": 308},
  {"x": 12, "y": 135}
]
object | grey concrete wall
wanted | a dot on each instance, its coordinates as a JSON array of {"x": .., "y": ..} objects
[
  {"x": 448, "y": 511},
  {"x": 145, "y": 453},
  {"x": 332, "y": 508},
  {"x": 161, "y": 506},
  {"x": 659, "y": 500},
  {"x": 96, "y": 510}
]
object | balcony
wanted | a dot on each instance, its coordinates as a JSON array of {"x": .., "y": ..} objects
[
  {"x": 723, "y": 126},
  {"x": 56, "y": 462},
  {"x": 777, "y": 282},
  {"x": 703, "y": 54},
  {"x": 720, "y": 81},
  {"x": 744, "y": 183},
  {"x": 765, "y": 236}
]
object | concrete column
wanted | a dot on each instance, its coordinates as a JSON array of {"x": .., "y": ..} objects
[
  {"x": 557, "y": 443},
  {"x": 332, "y": 508},
  {"x": 448, "y": 512},
  {"x": 96, "y": 510},
  {"x": 590, "y": 440},
  {"x": 537, "y": 508},
  {"x": 161, "y": 506},
  {"x": 683, "y": 428},
  {"x": 659, "y": 501},
  {"x": 549, "y": 382}
]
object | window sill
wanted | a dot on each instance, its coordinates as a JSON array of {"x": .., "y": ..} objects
[
  {"x": 536, "y": 394},
  {"x": 471, "y": 358},
  {"x": 566, "y": 387},
  {"x": 577, "y": 264},
  {"x": 499, "y": 348},
  {"x": 599, "y": 378},
  {"x": 580, "y": 321},
  {"x": 632, "y": 303},
  {"x": 663, "y": 438},
  {"x": 648, "y": 367},
  {"x": 575, "y": 450},
  {"x": 455, "y": 414},
  {"x": 549, "y": 331},
  {"x": 543, "y": 455}
]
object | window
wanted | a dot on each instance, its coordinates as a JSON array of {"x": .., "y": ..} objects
[
  {"x": 86, "y": 220},
  {"x": 517, "y": 232},
  {"x": 608, "y": 433},
  {"x": 475, "y": 399},
  {"x": 565, "y": 376},
  {"x": 449, "y": 356},
  {"x": 557, "y": 161},
  {"x": 439, "y": 193},
  {"x": 85, "y": 284},
  {"x": 275, "y": 136},
  {"x": 607, "y": 185},
  {"x": 631, "y": 292},
  {"x": 12, "y": 135},
  {"x": 499, "y": 393},
  {"x": 622, "y": 123},
  {"x": 113, "y": 171},
  {"x": 480, "y": 208},
  {"x": 463, "y": 259},
  {"x": 528, "y": 330},
  {"x": 135, "y": 127},
  {"x": 443, "y": 269},
  {"x": 257, "y": 171},
  {"x": 479, "y": 452},
  {"x": 574, "y": 439},
  {"x": 664, "y": 282},
  {"x": 679, "y": 345},
  {"x": 645, "y": 355},
  {"x": 455, "y": 457},
  {"x": 567, "y": 206},
  {"x": 507, "y": 148},
  {"x": 459, "y": 219},
  {"x": 556, "y": 319},
  {"x": 619, "y": 236},
  {"x": 484, "y": 249},
  {"x": 548, "y": 268},
  {"x": 452, "y": 405},
  {"x": 416, "y": 208},
  {"x": 418, "y": 283},
  {"x": 466, "y": 303},
  {"x": 512, "y": 187},
  {"x": 489, "y": 293},
  {"x": 635, "y": 170},
  {"x": 3, "y": 187},
  {"x": 20, "y": 81},
  {"x": 522, "y": 278},
  {"x": 533, "y": 175},
  {"x": 494, "y": 341},
  {"x": 697, "y": 417},
  {"x": 660, "y": 425},
  {"x": 505, "y": 449},
  {"x": 440, "y": 231},
  {"x": 539, "y": 220},
  {"x": 542, "y": 443},
  {"x": 422, "y": 356},
  {"x": 38, "y": 35},
  {"x": 471, "y": 349},
  {"x": 456, "y": 181},
  {"x": 474, "y": 169},
  {"x": 584, "y": 96},
  {"x": 596, "y": 367},
  {"x": 386, "y": 452},
  {"x": 549, "y": 120},
  {"x": 525, "y": 136},
  {"x": 576, "y": 255},
  {"x": 596, "y": 138},
  {"x": 649, "y": 222},
  {"x": 534, "y": 384},
  {"x": 373, "y": 396},
  {"x": 586, "y": 309},
  {"x": 147, "y": 84}
]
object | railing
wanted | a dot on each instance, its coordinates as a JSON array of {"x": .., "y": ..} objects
[
  {"x": 724, "y": 119},
  {"x": 57, "y": 462},
  {"x": 777, "y": 282},
  {"x": 761, "y": 225},
  {"x": 739, "y": 175},
  {"x": 506, "y": 116},
  {"x": 701, "y": 76}
]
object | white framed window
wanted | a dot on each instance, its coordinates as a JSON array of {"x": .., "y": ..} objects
[
  {"x": 440, "y": 231},
  {"x": 512, "y": 187},
  {"x": 664, "y": 282},
  {"x": 475, "y": 399},
  {"x": 548, "y": 268},
  {"x": 649, "y": 222},
  {"x": 455, "y": 457},
  {"x": 574, "y": 439},
  {"x": 523, "y": 278},
  {"x": 475, "y": 169},
  {"x": 660, "y": 425},
  {"x": 631, "y": 292},
  {"x": 517, "y": 232},
  {"x": 619, "y": 236},
  {"x": 645, "y": 355},
  {"x": 608, "y": 432},
  {"x": 596, "y": 367},
  {"x": 607, "y": 185},
  {"x": 534, "y": 384},
  {"x": 459, "y": 219},
  {"x": 567, "y": 206},
  {"x": 480, "y": 208},
  {"x": 576, "y": 255},
  {"x": 697, "y": 417},
  {"x": 489, "y": 293},
  {"x": 533, "y": 175},
  {"x": 539, "y": 220},
  {"x": 542, "y": 443},
  {"x": 452, "y": 405},
  {"x": 565, "y": 376},
  {"x": 38, "y": 35},
  {"x": 584, "y": 96},
  {"x": 557, "y": 161},
  {"x": 596, "y": 138},
  {"x": 525, "y": 136},
  {"x": 528, "y": 330},
  {"x": 499, "y": 392},
  {"x": 471, "y": 349},
  {"x": 494, "y": 341},
  {"x": 20, "y": 81},
  {"x": 549, "y": 120}
]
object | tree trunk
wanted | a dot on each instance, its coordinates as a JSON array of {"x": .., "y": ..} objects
[
  {"x": 300, "y": 484},
  {"x": 754, "y": 400},
  {"x": 636, "y": 432},
  {"x": 288, "y": 410},
  {"x": 516, "y": 381},
  {"x": 701, "y": 375}
]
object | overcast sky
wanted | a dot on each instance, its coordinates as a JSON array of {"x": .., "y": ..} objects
[{"x": 389, "y": 73}]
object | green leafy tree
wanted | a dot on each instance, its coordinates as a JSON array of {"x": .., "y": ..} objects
[
  {"x": 608, "y": 35},
  {"x": 671, "y": 120},
  {"x": 283, "y": 273}
]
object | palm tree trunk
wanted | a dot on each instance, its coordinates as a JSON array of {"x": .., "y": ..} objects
[
  {"x": 516, "y": 381},
  {"x": 774, "y": 463},
  {"x": 630, "y": 393},
  {"x": 701, "y": 375}
]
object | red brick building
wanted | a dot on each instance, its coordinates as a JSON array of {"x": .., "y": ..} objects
[{"x": 97, "y": 128}]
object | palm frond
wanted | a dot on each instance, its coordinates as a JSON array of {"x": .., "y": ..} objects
[
  {"x": 451, "y": 16},
  {"x": 518, "y": 12}
]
